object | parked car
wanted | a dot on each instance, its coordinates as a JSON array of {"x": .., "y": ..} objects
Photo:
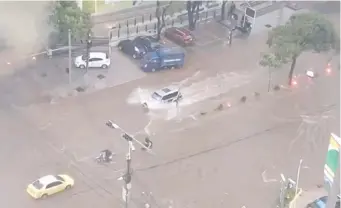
[
  {"x": 180, "y": 36},
  {"x": 132, "y": 48},
  {"x": 150, "y": 42},
  {"x": 48, "y": 185},
  {"x": 322, "y": 203},
  {"x": 96, "y": 60},
  {"x": 163, "y": 58},
  {"x": 165, "y": 95}
]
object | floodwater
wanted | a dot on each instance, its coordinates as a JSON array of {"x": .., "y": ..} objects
[{"x": 194, "y": 93}]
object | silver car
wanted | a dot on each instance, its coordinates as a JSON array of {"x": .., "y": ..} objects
[{"x": 165, "y": 95}]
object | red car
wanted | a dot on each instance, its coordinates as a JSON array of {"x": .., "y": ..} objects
[{"x": 180, "y": 36}]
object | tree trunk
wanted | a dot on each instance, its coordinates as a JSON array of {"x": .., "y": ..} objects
[
  {"x": 190, "y": 15},
  {"x": 291, "y": 72},
  {"x": 158, "y": 17},
  {"x": 269, "y": 83},
  {"x": 223, "y": 6},
  {"x": 158, "y": 29},
  {"x": 196, "y": 8}
]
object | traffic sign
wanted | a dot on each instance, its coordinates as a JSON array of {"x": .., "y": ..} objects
[{"x": 332, "y": 160}]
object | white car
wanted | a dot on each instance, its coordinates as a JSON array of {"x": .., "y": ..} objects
[
  {"x": 96, "y": 60},
  {"x": 165, "y": 95}
]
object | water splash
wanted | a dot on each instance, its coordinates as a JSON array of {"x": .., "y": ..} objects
[{"x": 193, "y": 92}]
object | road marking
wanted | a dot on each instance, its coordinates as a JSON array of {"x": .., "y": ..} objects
[
  {"x": 208, "y": 42},
  {"x": 265, "y": 180}
]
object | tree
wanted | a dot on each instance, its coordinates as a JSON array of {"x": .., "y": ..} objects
[
  {"x": 303, "y": 32},
  {"x": 67, "y": 15},
  {"x": 192, "y": 8},
  {"x": 223, "y": 7},
  {"x": 271, "y": 61},
  {"x": 160, "y": 16}
]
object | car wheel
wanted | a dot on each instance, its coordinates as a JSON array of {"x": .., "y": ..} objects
[
  {"x": 134, "y": 56},
  {"x": 67, "y": 187},
  {"x": 44, "y": 196},
  {"x": 81, "y": 66},
  {"x": 104, "y": 66}
]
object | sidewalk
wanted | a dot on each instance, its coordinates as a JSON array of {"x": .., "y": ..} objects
[{"x": 140, "y": 18}]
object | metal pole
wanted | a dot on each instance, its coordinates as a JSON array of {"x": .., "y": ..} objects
[
  {"x": 269, "y": 83},
  {"x": 280, "y": 14},
  {"x": 297, "y": 179},
  {"x": 70, "y": 58},
  {"x": 128, "y": 177},
  {"x": 109, "y": 40}
]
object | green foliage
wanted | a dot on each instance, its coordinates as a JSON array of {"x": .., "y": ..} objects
[
  {"x": 67, "y": 15},
  {"x": 303, "y": 32},
  {"x": 271, "y": 61}
]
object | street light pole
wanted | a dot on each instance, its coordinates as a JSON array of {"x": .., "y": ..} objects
[
  {"x": 70, "y": 58},
  {"x": 280, "y": 14},
  {"x": 297, "y": 179},
  {"x": 127, "y": 177}
]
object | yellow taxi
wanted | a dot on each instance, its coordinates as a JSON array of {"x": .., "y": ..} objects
[{"x": 48, "y": 185}]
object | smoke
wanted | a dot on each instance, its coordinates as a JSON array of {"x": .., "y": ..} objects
[{"x": 24, "y": 29}]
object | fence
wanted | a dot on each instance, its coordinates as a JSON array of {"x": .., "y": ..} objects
[{"x": 129, "y": 31}]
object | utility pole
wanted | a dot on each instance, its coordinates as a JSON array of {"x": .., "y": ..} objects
[
  {"x": 280, "y": 13},
  {"x": 70, "y": 58},
  {"x": 109, "y": 41},
  {"x": 88, "y": 46},
  {"x": 95, "y": 2},
  {"x": 127, "y": 177},
  {"x": 297, "y": 179}
]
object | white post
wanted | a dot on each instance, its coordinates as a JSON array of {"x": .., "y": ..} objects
[
  {"x": 95, "y": 2},
  {"x": 297, "y": 179},
  {"x": 280, "y": 14}
]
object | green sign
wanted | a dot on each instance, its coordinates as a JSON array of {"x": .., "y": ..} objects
[{"x": 332, "y": 160}]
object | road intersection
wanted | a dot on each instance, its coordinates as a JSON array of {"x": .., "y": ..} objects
[{"x": 208, "y": 158}]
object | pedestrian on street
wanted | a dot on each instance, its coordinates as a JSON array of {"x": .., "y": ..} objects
[
  {"x": 231, "y": 10},
  {"x": 147, "y": 143}
]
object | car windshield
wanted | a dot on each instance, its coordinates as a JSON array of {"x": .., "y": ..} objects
[
  {"x": 156, "y": 96},
  {"x": 59, "y": 178},
  {"x": 37, "y": 184},
  {"x": 84, "y": 57}
]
